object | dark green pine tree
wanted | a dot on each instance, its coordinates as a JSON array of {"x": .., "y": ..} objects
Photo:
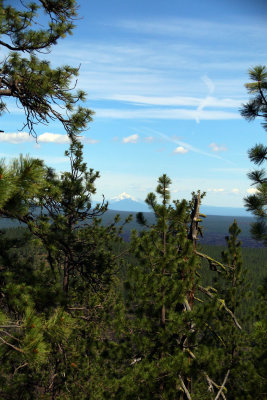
[
  {"x": 158, "y": 360},
  {"x": 73, "y": 293},
  {"x": 257, "y": 107},
  {"x": 37, "y": 87}
]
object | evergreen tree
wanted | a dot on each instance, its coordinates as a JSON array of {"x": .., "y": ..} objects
[
  {"x": 257, "y": 107},
  {"x": 58, "y": 211},
  {"x": 167, "y": 353},
  {"x": 68, "y": 293},
  {"x": 37, "y": 87}
]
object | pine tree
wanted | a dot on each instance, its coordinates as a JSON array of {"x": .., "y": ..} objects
[
  {"x": 169, "y": 313},
  {"x": 257, "y": 107},
  {"x": 257, "y": 203},
  {"x": 36, "y": 86},
  {"x": 72, "y": 315}
]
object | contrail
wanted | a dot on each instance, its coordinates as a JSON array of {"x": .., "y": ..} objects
[
  {"x": 188, "y": 146},
  {"x": 210, "y": 85}
]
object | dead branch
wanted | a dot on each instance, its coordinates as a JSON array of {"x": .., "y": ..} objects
[
  {"x": 20, "y": 366},
  {"x": 222, "y": 303},
  {"x": 223, "y": 386},
  {"x": 11, "y": 345},
  {"x": 210, "y": 259},
  {"x": 185, "y": 389}
]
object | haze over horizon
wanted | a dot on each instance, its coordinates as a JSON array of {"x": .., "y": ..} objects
[{"x": 166, "y": 81}]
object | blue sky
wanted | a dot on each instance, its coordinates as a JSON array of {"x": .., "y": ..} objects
[{"x": 166, "y": 81}]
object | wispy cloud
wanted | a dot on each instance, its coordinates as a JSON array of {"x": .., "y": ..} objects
[
  {"x": 193, "y": 28},
  {"x": 157, "y": 68},
  {"x": 149, "y": 139},
  {"x": 204, "y": 102},
  {"x": 171, "y": 114},
  {"x": 216, "y": 148},
  {"x": 130, "y": 139},
  {"x": 177, "y": 101}
]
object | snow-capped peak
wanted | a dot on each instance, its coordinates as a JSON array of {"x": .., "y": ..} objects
[{"x": 123, "y": 196}]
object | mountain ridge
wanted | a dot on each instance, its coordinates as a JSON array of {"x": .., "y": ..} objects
[{"x": 130, "y": 205}]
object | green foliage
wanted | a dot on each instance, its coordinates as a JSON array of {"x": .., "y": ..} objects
[
  {"x": 59, "y": 285},
  {"x": 172, "y": 333},
  {"x": 37, "y": 87},
  {"x": 257, "y": 107},
  {"x": 170, "y": 328}
]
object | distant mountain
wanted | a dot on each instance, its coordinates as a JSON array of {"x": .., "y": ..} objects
[{"x": 126, "y": 202}]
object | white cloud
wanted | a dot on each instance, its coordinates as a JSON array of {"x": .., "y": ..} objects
[
  {"x": 16, "y": 137},
  {"x": 216, "y": 190},
  {"x": 131, "y": 139},
  {"x": 48, "y": 137},
  {"x": 216, "y": 148},
  {"x": 180, "y": 150},
  {"x": 235, "y": 190},
  {"x": 252, "y": 191}
]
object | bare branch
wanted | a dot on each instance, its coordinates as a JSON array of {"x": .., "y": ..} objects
[
  {"x": 185, "y": 389},
  {"x": 11, "y": 345},
  {"x": 222, "y": 303},
  {"x": 223, "y": 385},
  {"x": 210, "y": 260}
]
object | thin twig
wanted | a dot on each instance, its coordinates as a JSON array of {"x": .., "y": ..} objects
[
  {"x": 11, "y": 345},
  {"x": 223, "y": 385},
  {"x": 204, "y": 290},
  {"x": 20, "y": 366},
  {"x": 185, "y": 389}
]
